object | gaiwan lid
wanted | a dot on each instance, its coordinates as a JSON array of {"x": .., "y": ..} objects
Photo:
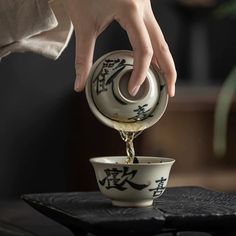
[{"x": 108, "y": 97}]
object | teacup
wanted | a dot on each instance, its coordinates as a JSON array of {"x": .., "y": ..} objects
[{"x": 132, "y": 185}]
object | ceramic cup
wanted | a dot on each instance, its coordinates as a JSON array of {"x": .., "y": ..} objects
[
  {"x": 108, "y": 97},
  {"x": 132, "y": 185}
]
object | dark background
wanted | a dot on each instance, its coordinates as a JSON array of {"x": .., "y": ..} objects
[{"x": 47, "y": 132}]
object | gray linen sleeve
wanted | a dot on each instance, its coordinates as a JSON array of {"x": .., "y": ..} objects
[{"x": 34, "y": 25}]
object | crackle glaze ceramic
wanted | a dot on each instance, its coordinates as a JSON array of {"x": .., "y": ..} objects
[
  {"x": 108, "y": 97},
  {"x": 132, "y": 185}
]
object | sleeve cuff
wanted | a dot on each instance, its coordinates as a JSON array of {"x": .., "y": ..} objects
[{"x": 51, "y": 36}]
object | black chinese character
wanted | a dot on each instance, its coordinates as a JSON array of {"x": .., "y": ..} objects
[
  {"x": 110, "y": 69},
  {"x": 100, "y": 80},
  {"x": 141, "y": 112},
  {"x": 117, "y": 178},
  {"x": 160, "y": 187}
]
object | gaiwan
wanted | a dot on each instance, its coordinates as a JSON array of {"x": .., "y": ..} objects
[
  {"x": 128, "y": 180},
  {"x": 108, "y": 97}
]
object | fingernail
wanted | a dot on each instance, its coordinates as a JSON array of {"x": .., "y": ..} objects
[
  {"x": 172, "y": 92},
  {"x": 77, "y": 85},
  {"x": 135, "y": 90}
]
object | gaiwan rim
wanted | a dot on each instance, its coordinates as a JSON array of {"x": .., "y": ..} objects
[
  {"x": 156, "y": 114},
  {"x": 98, "y": 160}
]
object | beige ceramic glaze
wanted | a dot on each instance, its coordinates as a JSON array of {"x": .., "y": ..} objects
[
  {"x": 132, "y": 185},
  {"x": 109, "y": 99}
]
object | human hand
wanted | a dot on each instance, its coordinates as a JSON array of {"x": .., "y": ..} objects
[{"x": 91, "y": 17}]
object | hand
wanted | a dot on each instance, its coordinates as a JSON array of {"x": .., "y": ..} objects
[{"x": 91, "y": 17}]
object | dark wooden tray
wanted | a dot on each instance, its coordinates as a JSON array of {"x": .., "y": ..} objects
[{"x": 178, "y": 209}]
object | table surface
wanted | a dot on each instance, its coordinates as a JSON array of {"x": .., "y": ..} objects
[
  {"x": 178, "y": 209},
  {"x": 18, "y": 218}
]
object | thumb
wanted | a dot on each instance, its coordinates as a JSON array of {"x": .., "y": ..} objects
[{"x": 85, "y": 43}]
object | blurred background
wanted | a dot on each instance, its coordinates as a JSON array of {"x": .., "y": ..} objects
[{"x": 48, "y": 134}]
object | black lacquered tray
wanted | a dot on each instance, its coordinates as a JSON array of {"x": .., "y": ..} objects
[{"x": 178, "y": 209}]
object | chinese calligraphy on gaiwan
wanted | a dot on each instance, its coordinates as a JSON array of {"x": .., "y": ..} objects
[
  {"x": 105, "y": 79},
  {"x": 121, "y": 178},
  {"x": 110, "y": 69}
]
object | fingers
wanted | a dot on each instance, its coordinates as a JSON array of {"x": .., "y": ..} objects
[
  {"x": 85, "y": 43},
  {"x": 162, "y": 54},
  {"x": 142, "y": 48}
]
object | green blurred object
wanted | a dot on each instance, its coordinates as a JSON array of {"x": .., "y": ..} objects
[
  {"x": 221, "y": 114},
  {"x": 226, "y": 94},
  {"x": 227, "y": 9}
]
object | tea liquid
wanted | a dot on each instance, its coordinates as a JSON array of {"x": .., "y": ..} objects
[
  {"x": 128, "y": 137},
  {"x": 128, "y": 133}
]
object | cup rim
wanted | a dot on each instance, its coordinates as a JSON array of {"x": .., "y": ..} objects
[{"x": 166, "y": 161}]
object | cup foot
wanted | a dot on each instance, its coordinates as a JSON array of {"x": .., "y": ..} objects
[{"x": 142, "y": 203}]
